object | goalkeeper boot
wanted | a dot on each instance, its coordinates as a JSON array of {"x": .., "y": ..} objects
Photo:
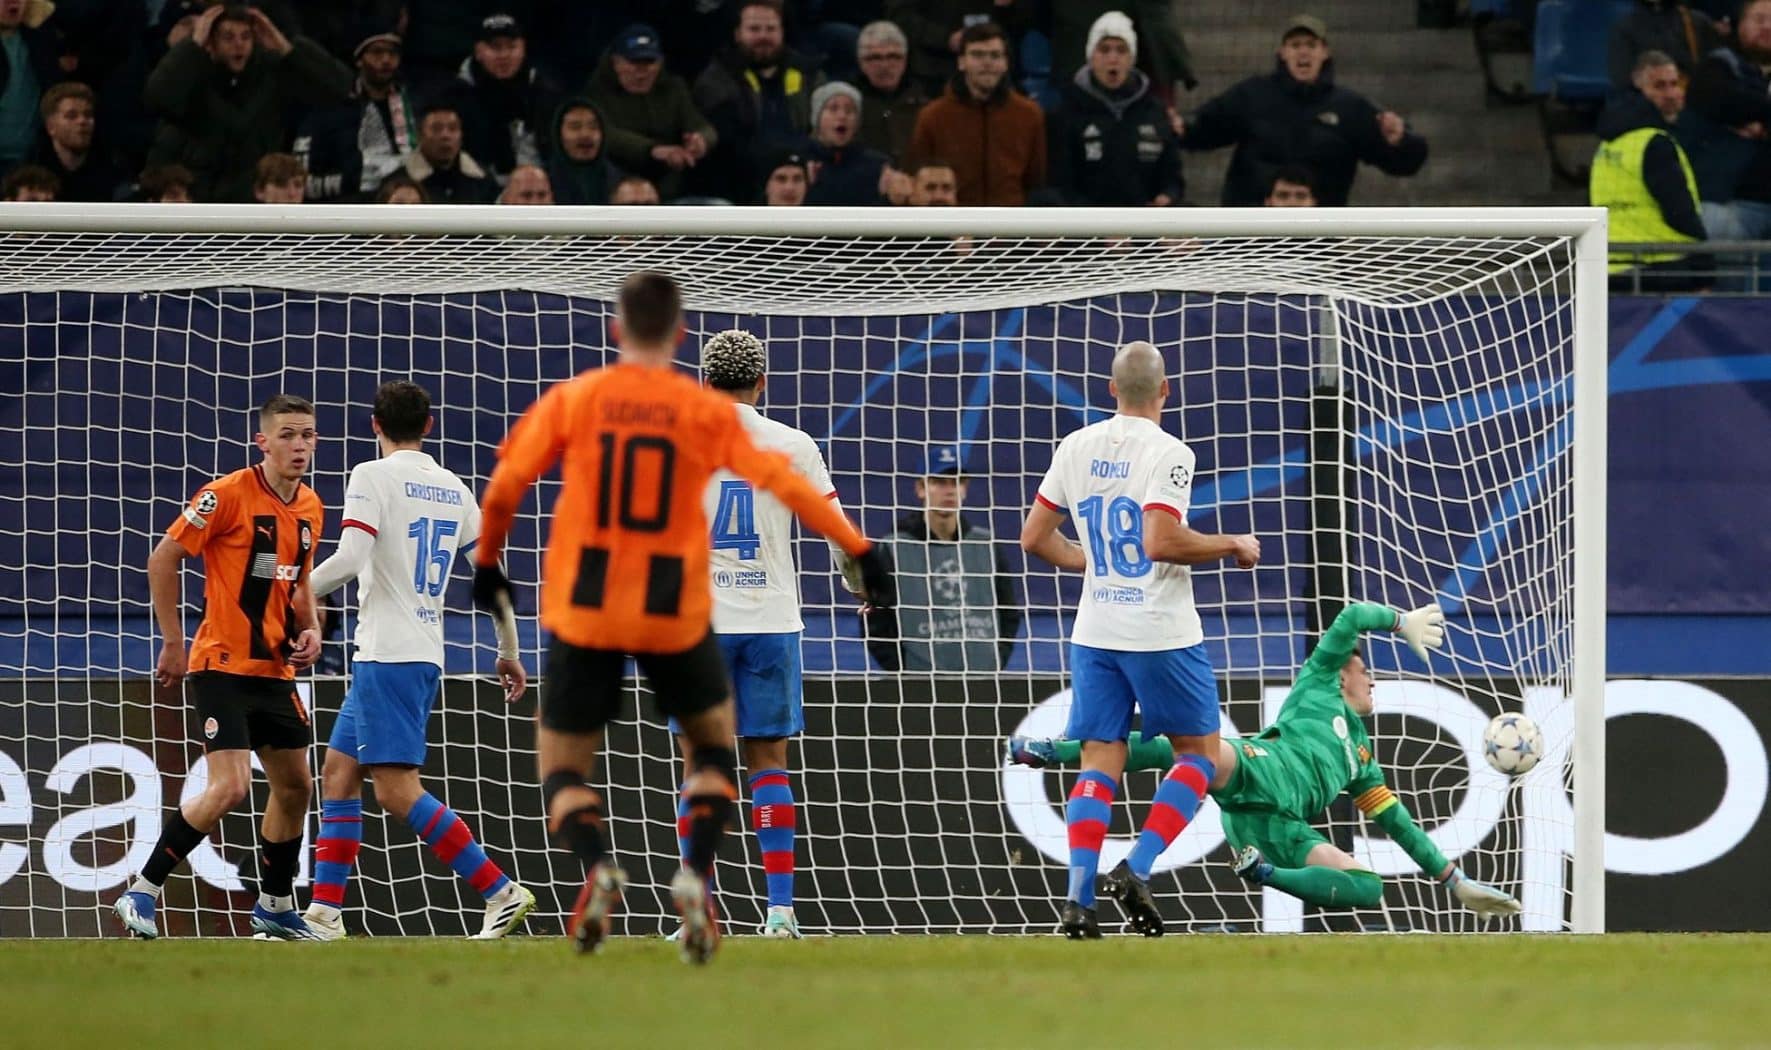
[
  {"x": 781, "y": 923},
  {"x": 327, "y": 923},
  {"x": 281, "y": 925},
  {"x": 505, "y": 911},
  {"x": 137, "y": 912},
  {"x": 1029, "y": 751},
  {"x": 700, "y": 932},
  {"x": 1078, "y": 923},
  {"x": 596, "y": 902},
  {"x": 1250, "y": 866},
  {"x": 1135, "y": 900}
]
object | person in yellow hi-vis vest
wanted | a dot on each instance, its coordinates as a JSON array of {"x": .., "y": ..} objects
[{"x": 1642, "y": 175}]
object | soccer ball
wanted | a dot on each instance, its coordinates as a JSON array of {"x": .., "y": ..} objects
[{"x": 1512, "y": 744}]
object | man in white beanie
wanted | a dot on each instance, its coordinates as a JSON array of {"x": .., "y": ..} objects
[
  {"x": 1110, "y": 139},
  {"x": 847, "y": 172}
]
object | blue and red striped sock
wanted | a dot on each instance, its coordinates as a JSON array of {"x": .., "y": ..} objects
[
  {"x": 335, "y": 851},
  {"x": 682, "y": 820},
  {"x": 1177, "y": 799},
  {"x": 448, "y": 837},
  {"x": 773, "y": 816},
  {"x": 1087, "y": 816}
]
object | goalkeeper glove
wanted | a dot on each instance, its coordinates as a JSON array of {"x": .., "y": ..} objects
[
  {"x": 1480, "y": 897},
  {"x": 1422, "y": 628},
  {"x": 876, "y": 579},
  {"x": 491, "y": 589}
]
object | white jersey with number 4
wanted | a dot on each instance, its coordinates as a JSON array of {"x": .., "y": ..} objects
[
  {"x": 755, "y": 582},
  {"x": 1105, "y": 476},
  {"x": 421, "y": 516}
]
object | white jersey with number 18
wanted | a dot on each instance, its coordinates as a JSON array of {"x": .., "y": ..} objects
[
  {"x": 421, "y": 516},
  {"x": 1105, "y": 476},
  {"x": 755, "y": 581}
]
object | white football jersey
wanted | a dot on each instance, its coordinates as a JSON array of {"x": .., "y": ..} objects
[
  {"x": 755, "y": 581},
  {"x": 1105, "y": 476},
  {"x": 421, "y": 516}
]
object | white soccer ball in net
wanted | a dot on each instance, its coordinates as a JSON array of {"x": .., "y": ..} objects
[{"x": 1512, "y": 744}]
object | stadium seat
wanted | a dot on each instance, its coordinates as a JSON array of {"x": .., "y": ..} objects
[{"x": 1570, "y": 48}]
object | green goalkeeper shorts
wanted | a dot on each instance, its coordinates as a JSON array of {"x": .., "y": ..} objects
[
  {"x": 1258, "y": 804},
  {"x": 1286, "y": 842}
]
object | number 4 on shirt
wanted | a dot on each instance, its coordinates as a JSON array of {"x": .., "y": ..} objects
[{"x": 734, "y": 520}]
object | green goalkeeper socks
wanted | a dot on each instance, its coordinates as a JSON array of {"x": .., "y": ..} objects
[
  {"x": 1329, "y": 887},
  {"x": 1154, "y": 753}
]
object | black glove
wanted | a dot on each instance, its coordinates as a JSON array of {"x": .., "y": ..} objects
[
  {"x": 491, "y": 589},
  {"x": 876, "y": 579}
]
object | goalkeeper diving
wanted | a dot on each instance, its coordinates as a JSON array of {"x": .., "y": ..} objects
[{"x": 1269, "y": 785}]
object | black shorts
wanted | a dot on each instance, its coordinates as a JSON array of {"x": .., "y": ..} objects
[
  {"x": 581, "y": 691},
  {"x": 244, "y": 712}
]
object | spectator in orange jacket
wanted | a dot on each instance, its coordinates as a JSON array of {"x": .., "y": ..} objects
[{"x": 993, "y": 135}]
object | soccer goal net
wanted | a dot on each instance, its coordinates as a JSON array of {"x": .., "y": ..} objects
[{"x": 1405, "y": 406}]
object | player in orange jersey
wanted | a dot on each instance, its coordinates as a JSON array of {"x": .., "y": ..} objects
[
  {"x": 256, "y": 530},
  {"x": 626, "y": 574}
]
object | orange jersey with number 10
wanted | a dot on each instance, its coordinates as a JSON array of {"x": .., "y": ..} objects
[{"x": 627, "y": 550}]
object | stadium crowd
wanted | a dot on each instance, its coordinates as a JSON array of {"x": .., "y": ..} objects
[{"x": 778, "y": 102}]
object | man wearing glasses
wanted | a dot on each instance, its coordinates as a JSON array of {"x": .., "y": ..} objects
[
  {"x": 890, "y": 100},
  {"x": 993, "y": 135}
]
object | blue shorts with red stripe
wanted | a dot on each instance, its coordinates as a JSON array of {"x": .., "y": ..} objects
[
  {"x": 1174, "y": 689},
  {"x": 384, "y": 715}
]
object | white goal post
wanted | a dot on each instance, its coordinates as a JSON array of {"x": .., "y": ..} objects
[{"x": 1410, "y": 401}]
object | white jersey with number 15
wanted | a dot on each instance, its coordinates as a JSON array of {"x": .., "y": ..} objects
[
  {"x": 1105, "y": 476},
  {"x": 755, "y": 581},
  {"x": 421, "y": 516}
]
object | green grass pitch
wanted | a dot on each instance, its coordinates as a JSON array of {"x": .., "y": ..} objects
[{"x": 908, "y": 991}]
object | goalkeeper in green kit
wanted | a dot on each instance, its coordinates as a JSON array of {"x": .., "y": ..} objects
[{"x": 1268, "y": 786}]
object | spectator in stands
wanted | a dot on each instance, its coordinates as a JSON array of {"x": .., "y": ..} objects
[
  {"x": 1724, "y": 131},
  {"x": 29, "y": 182},
  {"x": 579, "y": 168},
  {"x": 848, "y": 172},
  {"x": 1643, "y": 178},
  {"x": 528, "y": 184},
  {"x": 890, "y": 100},
  {"x": 936, "y": 28},
  {"x": 223, "y": 94},
  {"x": 992, "y": 134},
  {"x": 68, "y": 121},
  {"x": 653, "y": 128},
  {"x": 1110, "y": 138},
  {"x": 1297, "y": 115},
  {"x": 634, "y": 189},
  {"x": 440, "y": 33},
  {"x": 399, "y": 188},
  {"x": 27, "y": 69},
  {"x": 789, "y": 181},
  {"x": 1162, "y": 50},
  {"x": 507, "y": 107},
  {"x": 758, "y": 95},
  {"x": 934, "y": 185},
  {"x": 166, "y": 184},
  {"x": 349, "y": 148},
  {"x": 1663, "y": 26},
  {"x": 279, "y": 179},
  {"x": 1293, "y": 186},
  {"x": 956, "y": 608},
  {"x": 448, "y": 173}
]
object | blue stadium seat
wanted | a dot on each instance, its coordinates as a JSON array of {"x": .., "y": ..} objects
[{"x": 1570, "y": 49}]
